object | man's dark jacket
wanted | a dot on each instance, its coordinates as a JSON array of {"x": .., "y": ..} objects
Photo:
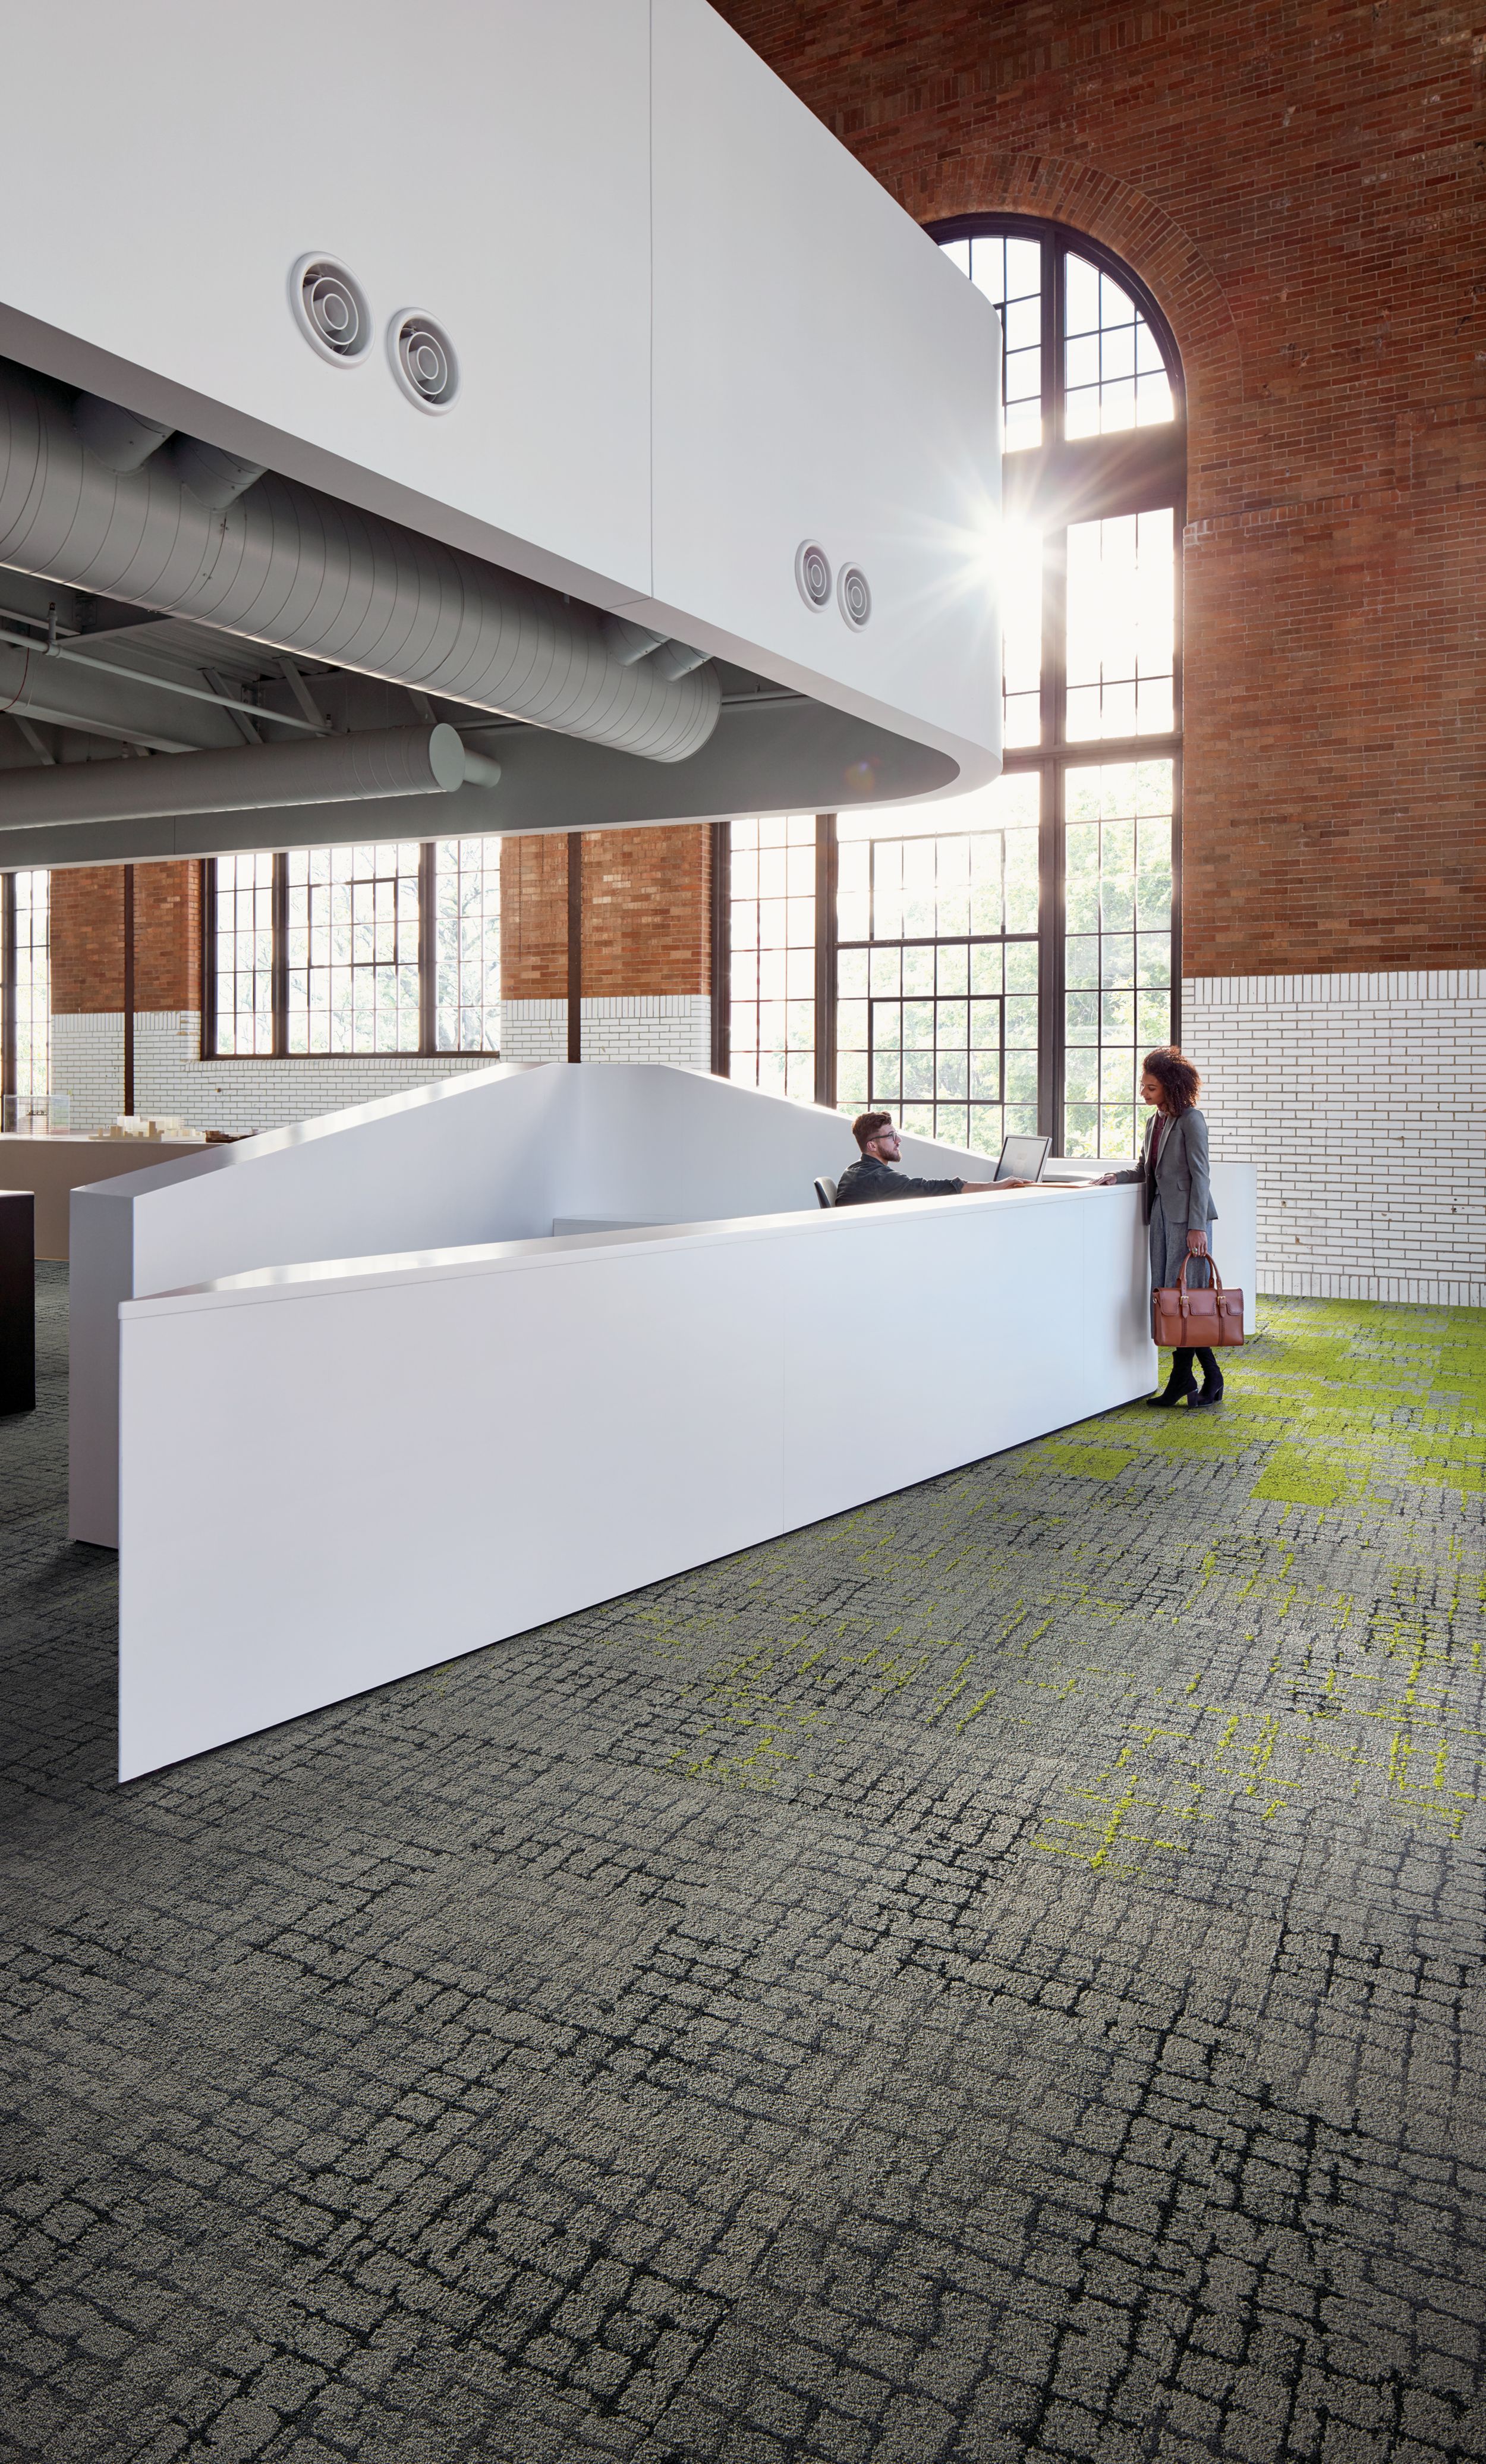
[{"x": 869, "y": 1179}]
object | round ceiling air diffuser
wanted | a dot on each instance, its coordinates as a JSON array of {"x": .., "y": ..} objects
[
  {"x": 813, "y": 574},
  {"x": 330, "y": 309},
  {"x": 423, "y": 360},
  {"x": 853, "y": 596}
]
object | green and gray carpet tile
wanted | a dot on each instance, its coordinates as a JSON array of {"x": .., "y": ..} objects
[{"x": 1002, "y": 1973}]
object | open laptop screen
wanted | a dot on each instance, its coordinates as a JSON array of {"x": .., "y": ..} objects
[{"x": 1022, "y": 1158}]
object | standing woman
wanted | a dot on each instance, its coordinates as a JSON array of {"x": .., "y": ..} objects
[{"x": 1178, "y": 1204}]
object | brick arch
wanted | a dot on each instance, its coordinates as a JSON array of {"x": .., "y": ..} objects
[{"x": 1130, "y": 222}]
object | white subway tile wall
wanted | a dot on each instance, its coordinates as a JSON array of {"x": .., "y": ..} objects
[
  {"x": 1362, "y": 1098},
  {"x": 630, "y": 1027},
  {"x": 170, "y": 1078}
]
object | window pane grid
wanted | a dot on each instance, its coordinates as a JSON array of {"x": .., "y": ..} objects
[
  {"x": 1122, "y": 626},
  {"x": 243, "y": 969},
  {"x": 1009, "y": 271},
  {"x": 352, "y": 949},
  {"x": 1113, "y": 370},
  {"x": 29, "y": 895},
  {"x": 1021, "y": 637},
  {"x": 1117, "y": 952},
  {"x": 772, "y": 925},
  {"x": 936, "y": 1017},
  {"x": 942, "y": 972},
  {"x": 466, "y": 945}
]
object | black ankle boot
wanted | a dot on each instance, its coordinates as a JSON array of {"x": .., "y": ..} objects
[
  {"x": 1212, "y": 1383},
  {"x": 1178, "y": 1386}
]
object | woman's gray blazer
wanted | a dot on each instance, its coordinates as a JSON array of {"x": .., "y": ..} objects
[{"x": 1177, "y": 1197}]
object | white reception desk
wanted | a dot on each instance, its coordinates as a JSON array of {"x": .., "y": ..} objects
[{"x": 336, "y": 1472}]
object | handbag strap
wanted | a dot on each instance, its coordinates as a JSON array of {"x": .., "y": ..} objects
[{"x": 1218, "y": 1280}]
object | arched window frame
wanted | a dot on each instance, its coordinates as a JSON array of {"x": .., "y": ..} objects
[{"x": 1048, "y": 487}]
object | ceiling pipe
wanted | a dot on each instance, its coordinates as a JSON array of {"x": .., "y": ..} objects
[
  {"x": 254, "y": 778},
  {"x": 122, "y": 440},
  {"x": 214, "y": 478},
  {"x": 674, "y": 659},
  {"x": 629, "y": 641},
  {"x": 319, "y": 578}
]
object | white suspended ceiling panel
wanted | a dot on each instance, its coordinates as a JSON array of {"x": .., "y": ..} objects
[
  {"x": 691, "y": 333},
  {"x": 816, "y": 377},
  {"x": 484, "y": 160}
]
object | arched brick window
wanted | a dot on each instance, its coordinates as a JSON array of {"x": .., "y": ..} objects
[
  {"x": 1001, "y": 962},
  {"x": 1095, "y": 476}
]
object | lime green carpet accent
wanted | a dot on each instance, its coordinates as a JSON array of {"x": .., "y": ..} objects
[
  {"x": 996, "y": 1978},
  {"x": 1146, "y": 1639}
]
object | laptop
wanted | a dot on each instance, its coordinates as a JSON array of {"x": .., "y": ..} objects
[{"x": 1022, "y": 1158}]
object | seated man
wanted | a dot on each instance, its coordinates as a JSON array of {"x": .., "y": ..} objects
[{"x": 872, "y": 1176}]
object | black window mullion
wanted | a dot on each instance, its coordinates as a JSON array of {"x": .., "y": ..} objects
[
  {"x": 722, "y": 949},
  {"x": 280, "y": 970},
  {"x": 427, "y": 945},
  {"x": 8, "y": 984},
  {"x": 1051, "y": 960},
  {"x": 209, "y": 959},
  {"x": 825, "y": 958},
  {"x": 1054, "y": 287},
  {"x": 1176, "y": 898},
  {"x": 1052, "y": 901}
]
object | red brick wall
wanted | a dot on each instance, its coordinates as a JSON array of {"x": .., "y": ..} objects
[
  {"x": 646, "y": 911},
  {"x": 87, "y": 937},
  {"x": 647, "y": 923},
  {"x": 168, "y": 936},
  {"x": 533, "y": 919},
  {"x": 1300, "y": 182},
  {"x": 646, "y": 914}
]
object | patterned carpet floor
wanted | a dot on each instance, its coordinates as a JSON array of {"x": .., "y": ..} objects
[{"x": 998, "y": 1974}]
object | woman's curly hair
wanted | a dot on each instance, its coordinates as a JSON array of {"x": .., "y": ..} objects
[{"x": 1179, "y": 1080}]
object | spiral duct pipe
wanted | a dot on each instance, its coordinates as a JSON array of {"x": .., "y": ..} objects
[
  {"x": 309, "y": 575},
  {"x": 250, "y": 779}
]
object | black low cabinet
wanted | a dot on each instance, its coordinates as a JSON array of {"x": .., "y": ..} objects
[{"x": 17, "y": 1301}]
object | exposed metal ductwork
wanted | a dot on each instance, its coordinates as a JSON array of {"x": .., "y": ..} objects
[
  {"x": 282, "y": 564},
  {"x": 631, "y": 642},
  {"x": 214, "y": 478},
  {"x": 257, "y": 778},
  {"x": 676, "y": 659},
  {"x": 122, "y": 440},
  {"x": 628, "y": 640}
]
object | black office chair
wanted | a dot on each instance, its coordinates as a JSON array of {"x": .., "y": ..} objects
[{"x": 826, "y": 1191}]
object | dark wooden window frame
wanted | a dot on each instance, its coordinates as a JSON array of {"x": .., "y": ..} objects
[
  {"x": 1050, "y": 486},
  {"x": 427, "y": 1048},
  {"x": 10, "y": 1014},
  {"x": 7, "y": 1014}
]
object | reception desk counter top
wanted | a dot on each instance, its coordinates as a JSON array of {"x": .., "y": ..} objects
[
  {"x": 348, "y": 1406},
  {"x": 497, "y": 1435}
]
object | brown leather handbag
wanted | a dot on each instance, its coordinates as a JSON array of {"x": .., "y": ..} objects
[{"x": 1203, "y": 1320}]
